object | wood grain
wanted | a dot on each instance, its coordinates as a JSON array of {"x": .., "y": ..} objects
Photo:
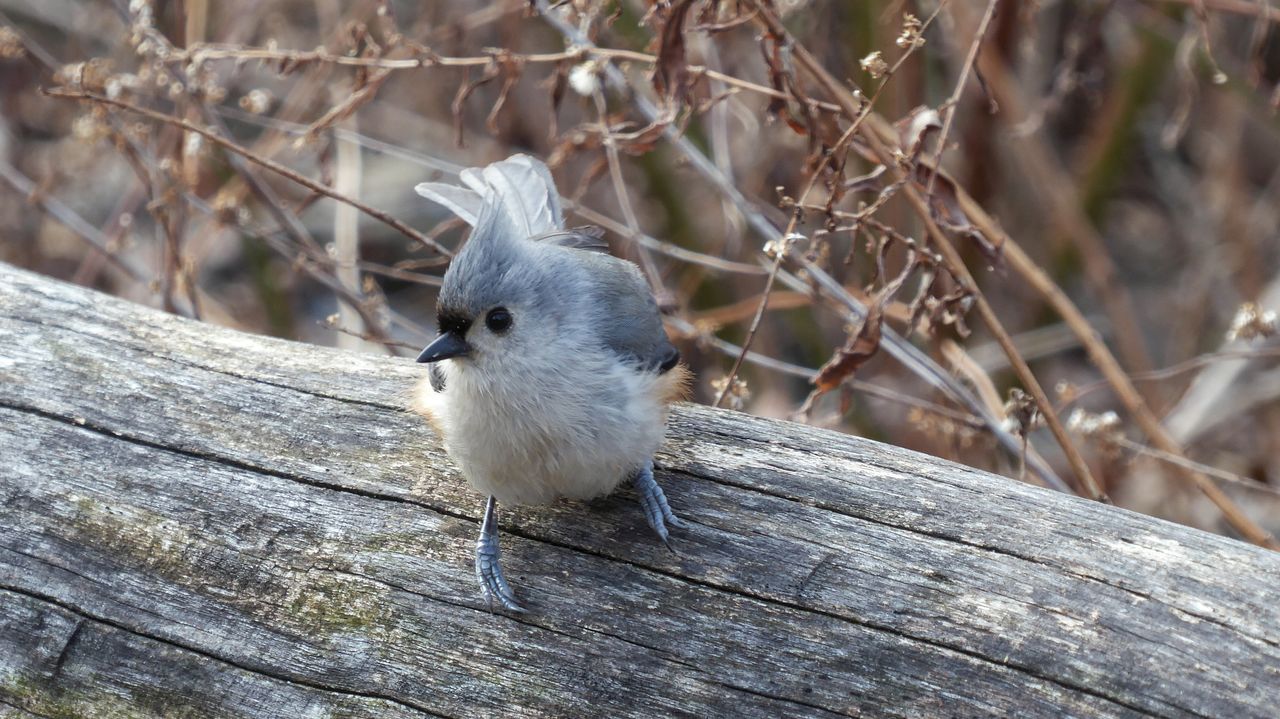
[{"x": 198, "y": 522}]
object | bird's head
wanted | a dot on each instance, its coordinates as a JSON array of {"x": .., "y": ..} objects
[{"x": 502, "y": 300}]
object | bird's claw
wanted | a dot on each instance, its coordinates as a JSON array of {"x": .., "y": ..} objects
[
  {"x": 488, "y": 567},
  {"x": 656, "y": 510}
]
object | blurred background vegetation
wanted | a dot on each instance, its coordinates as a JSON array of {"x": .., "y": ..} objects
[{"x": 1120, "y": 157}]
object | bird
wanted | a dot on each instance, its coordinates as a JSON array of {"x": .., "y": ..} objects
[{"x": 552, "y": 375}]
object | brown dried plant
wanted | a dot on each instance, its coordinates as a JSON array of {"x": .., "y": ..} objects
[{"x": 880, "y": 217}]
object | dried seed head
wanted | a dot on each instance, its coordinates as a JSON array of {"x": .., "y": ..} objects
[
  {"x": 874, "y": 65},
  {"x": 782, "y": 246},
  {"x": 911, "y": 29},
  {"x": 213, "y": 92},
  {"x": 738, "y": 392},
  {"x": 1021, "y": 415},
  {"x": 1066, "y": 391},
  {"x": 1104, "y": 426},
  {"x": 11, "y": 43},
  {"x": 118, "y": 84},
  {"x": 1251, "y": 322},
  {"x": 584, "y": 78},
  {"x": 91, "y": 75},
  {"x": 256, "y": 101},
  {"x": 89, "y": 128}
]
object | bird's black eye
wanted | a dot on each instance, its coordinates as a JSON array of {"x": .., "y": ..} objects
[{"x": 498, "y": 320}]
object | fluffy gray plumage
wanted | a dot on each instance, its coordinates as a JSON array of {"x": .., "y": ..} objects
[
  {"x": 520, "y": 253},
  {"x": 550, "y": 377},
  {"x": 571, "y": 398}
]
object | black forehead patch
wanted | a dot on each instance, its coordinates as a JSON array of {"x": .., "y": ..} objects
[{"x": 451, "y": 321}]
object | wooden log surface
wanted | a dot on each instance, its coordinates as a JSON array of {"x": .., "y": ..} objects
[{"x": 198, "y": 522}]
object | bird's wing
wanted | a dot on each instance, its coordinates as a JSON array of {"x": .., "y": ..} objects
[
  {"x": 581, "y": 238},
  {"x": 628, "y": 318}
]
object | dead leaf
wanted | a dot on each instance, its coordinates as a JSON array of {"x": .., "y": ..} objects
[
  {"x": 864, "y": 345},
  {"x": 557, "y": 83},
  {"x": 771, "y": 51},
  {"x": 1022, "y": 409},
  {"x": 869, "y": 182},
  {"x": 710, "y": 26},
  {"x": 943, "y": 302},
  {"x": 509, "y": 69},
  {"x": 915, "y": 128},
  {"x": 944, "y": 202},
  {"x": 860, "y": 348},
  {"x": 491, "y": 71},
  {"x": 671, "y": 72}
]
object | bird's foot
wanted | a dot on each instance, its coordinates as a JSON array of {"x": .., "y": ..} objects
[
  {"x": 656, "y": 510},
  {"x": 488, "y": 568}
]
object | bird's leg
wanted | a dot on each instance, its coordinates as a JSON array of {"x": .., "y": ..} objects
[
  {"x": 654, "y": 502},
  {"x": 488, "y": 570}
]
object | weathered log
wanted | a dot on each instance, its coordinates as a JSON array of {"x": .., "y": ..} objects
[{"x": 198, "y": 522}]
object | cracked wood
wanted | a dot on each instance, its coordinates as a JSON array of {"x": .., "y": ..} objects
[{"x": 198, "y": 522}]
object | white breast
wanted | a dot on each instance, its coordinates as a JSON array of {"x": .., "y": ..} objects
[{"x": 575, "y": 431}]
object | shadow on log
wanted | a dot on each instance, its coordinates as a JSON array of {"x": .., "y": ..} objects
[{"x": 198, "y": 522}]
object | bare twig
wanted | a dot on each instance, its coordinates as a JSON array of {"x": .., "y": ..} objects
[
  {"x": 59, "y": 210},
  {"x": 255, "y": 158},
  {"x": 789, "y": 235},
  {"x": 1059, "y": 192},
  {"x": 1174, "y": 370},
  {"x": 915, "y": 361},
  {"x": 620, "y": 191},
  {"x": 427, "y": 59},
  {"x": 1114, "y": 374},
  {"x": 1184, "y": 463},
  {"x": 674, "y": 251},
  {"x": 952, "y": 103},
  {"x": 884, "y": 156},
  {"x": 807, "y": 373},
  {"x": 1249, "y": 8}
]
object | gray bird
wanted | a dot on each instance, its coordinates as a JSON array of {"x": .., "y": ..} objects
[{"x": 552, "y": 374}]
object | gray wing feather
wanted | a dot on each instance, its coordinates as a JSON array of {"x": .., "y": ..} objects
[{"x": 630, "y": 323}]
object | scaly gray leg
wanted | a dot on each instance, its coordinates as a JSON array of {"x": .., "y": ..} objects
[
  {"x": 654, "y": 502},
  {"x": 488, "y": 571}
]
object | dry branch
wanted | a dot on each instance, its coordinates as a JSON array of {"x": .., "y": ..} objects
[
  {"x": 871, "y": 133},
  {"x": 257, "y": 159}
]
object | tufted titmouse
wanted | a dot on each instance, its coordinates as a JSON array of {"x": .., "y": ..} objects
[{"x": 552, "y": 373}]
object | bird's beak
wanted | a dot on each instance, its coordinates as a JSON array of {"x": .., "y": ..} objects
[{"x": 449, "y": 344}]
